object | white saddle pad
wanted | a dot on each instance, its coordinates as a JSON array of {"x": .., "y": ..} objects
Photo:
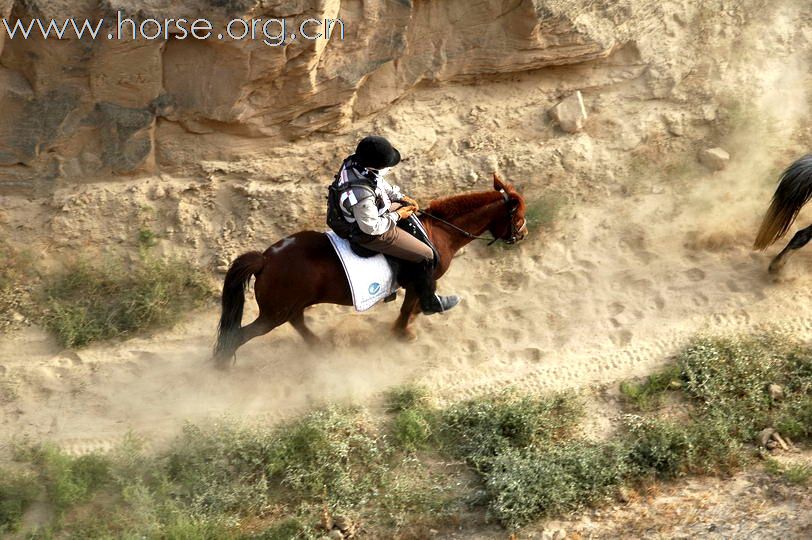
[{"x": 371, "y": 279}]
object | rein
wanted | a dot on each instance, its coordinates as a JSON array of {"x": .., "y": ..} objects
[
  {"x": 458, "y": 229},
  {"x": 514, "y": 232}
]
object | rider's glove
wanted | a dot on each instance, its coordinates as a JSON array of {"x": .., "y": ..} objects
[
  {"x": 410, "y": 202},
  {"x": 405, "y": 211}
]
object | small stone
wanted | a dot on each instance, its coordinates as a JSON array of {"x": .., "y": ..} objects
[
  {"x": 765, "y": 435},
  {"x": 709, "y": 113},
  {"x": 675, "y": 124},
  {"x": 335, "y": 534},
  {"x": 17, "y": 317},
  {"x": 714, "y": 158},
  {"x": 343, "y": 523},
  {"x": 776, "y": 392},
  {"x": 70, "y": 355},
  {"x": 158, "y": 193},
  {"x": 570, "y": 114},
  {"x": 781, "y": 442},
  {"x": 624, "y": 495}
]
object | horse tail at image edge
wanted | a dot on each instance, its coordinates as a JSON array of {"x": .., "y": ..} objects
[{"x": 793, "y": 192}]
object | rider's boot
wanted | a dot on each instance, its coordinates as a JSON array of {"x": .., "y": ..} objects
[{"x": 426, "y": 285}]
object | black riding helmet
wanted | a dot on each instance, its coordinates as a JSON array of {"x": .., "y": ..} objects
[{"x": 376, "y": 152}]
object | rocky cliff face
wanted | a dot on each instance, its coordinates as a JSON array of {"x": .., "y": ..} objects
[{"x": 83, "y": 109}]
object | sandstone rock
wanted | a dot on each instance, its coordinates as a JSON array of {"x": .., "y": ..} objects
[
  {"x": 335, "y": 534},
  {"x": 121, "y": 105},
  {"x": 570, "y": 114},
  {"x": 5, "y": 10},
  {"x": 714, "y": 158}
]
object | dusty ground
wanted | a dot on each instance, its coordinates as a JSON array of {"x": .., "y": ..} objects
[{"x": 647, "y": 249}]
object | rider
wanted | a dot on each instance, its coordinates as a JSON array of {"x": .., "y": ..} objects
[{"x": 365, "y": 208}]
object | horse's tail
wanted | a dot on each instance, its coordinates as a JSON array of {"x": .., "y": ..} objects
[
  {"x": 793, "y": 192},
  {"x": 233, "y": 301}
]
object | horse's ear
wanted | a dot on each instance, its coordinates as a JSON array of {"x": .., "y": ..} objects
[{"x": 498, "y": 185}]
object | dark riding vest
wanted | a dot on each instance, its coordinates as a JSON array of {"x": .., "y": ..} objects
[{"x": 351, "y": 185}]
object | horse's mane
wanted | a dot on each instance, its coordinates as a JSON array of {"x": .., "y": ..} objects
[{"x": 455, "y": 205}]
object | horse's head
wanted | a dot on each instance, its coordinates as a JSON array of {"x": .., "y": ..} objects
[{"x": 510, "y": 226}]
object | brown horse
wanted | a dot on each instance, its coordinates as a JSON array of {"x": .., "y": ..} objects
[
  {"x": 793, "y": 192},
  {"x": 303, "y": 269}
]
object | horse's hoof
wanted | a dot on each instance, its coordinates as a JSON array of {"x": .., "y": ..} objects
[
  {"x": 776, "y": 265},
  {"x": 405, "y": 334}
]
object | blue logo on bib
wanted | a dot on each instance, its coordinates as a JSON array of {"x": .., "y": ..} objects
[{"x": 374, "y": 288}]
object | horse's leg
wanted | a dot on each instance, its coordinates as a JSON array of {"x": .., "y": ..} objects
[
  {"x": 407, "y": 310},
  {"x": 298, "y": 322},
  {"x": 798, "y": 241},
  {"x": 261, "y": 326}
]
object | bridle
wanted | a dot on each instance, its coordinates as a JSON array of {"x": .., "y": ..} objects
[{"x": 514, "y": 229}]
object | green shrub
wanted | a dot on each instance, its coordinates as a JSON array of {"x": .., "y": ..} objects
[
  {"x": 413, "y": 494},
  {"x": 412, "y": 429},
  {"x": 795, "y": 418},
  {"x": 220, "y": 469},
  {"x": 335, "y": 456},
  {"x": 147, "y": 238},
  {"x": 658, "y": 447},
  {"x": 70, "y": 480},
  {"x": 647, "y": 394},
  {"x": 714, "y": 449},
  {"x": 17, "y": 491},
  {"x": 525, "y": 484},
  {"x": 86, "y": 304},
  {"x": 191, "y": 527},
  {"x": 480, "y": 429},
  {"x": 729, "y": 378},
  {"x": 401, "y": 398},
  {"x": 794, "y": 473},
  {"x": 286, "y": 530}
]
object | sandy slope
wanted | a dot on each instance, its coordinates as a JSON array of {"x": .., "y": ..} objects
[{"x": 649, "y": 249}]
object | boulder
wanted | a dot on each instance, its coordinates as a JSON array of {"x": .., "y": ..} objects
[
  {"x": 714, "y": 158},
  {"x": 570, "y": 114}
]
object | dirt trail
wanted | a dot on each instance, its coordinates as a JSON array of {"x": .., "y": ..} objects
[{"x": 543, "y": 316}]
